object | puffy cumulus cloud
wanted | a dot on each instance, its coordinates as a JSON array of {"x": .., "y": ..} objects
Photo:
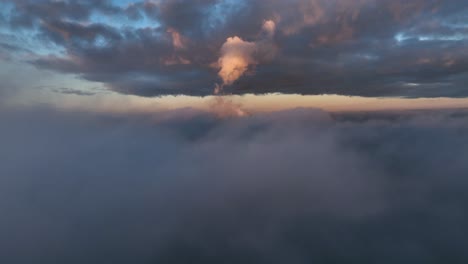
[
  {"x": 361, "y": 47},
  {"x": 299, "y": 186},
  {"x": 237, "y": 55}
]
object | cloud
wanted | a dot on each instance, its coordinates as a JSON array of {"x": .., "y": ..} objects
[
  {"x": 177, "y": 40},
  {"x": 296, "y": 186},
  {"x": 70, "y": 91},
  {"x": 238, "y": 55},
  {"x": 364, "y": 47},
  {"x": 223, "y": 107},
  {"x": 269, "y": 27}
]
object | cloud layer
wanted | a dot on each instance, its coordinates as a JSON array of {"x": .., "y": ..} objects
[
  {"x": 150, "y": 48},
  {"x": 298, "y": 186}
]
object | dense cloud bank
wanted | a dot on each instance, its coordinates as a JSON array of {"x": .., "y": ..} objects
[
  {"x": 412, "y": 48},
  {"x": 300, "y": 186}
]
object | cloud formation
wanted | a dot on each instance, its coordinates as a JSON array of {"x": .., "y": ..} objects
[
  {"x": 298, "y": 186},
  {"x": 238, "y": 55},
  {"x": 364, "y": 47}
]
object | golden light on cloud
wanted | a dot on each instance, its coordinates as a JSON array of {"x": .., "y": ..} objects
[
  {"x": 237, "y": 55},
  {"x": 251, "y": 103}
]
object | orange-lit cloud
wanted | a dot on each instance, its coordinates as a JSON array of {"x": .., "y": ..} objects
[{"x": 237, "y": 55}]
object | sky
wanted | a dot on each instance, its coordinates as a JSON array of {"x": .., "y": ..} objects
[
  {"x": 233, "y": 131},
  {"x": 364, "y": 48}
]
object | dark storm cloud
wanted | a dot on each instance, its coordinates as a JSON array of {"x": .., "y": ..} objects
[
  {"x": 299, "y": 186},
  {"x": 365, "y": 47}
]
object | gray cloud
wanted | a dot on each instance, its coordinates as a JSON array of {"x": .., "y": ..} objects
[
  {"x": 298, "y": 186},
  {"x": 365, "y": 47},
  {"x": 64, "y": 90}
]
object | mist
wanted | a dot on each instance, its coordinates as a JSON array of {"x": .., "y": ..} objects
[{"x": 185, "y": 186}]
